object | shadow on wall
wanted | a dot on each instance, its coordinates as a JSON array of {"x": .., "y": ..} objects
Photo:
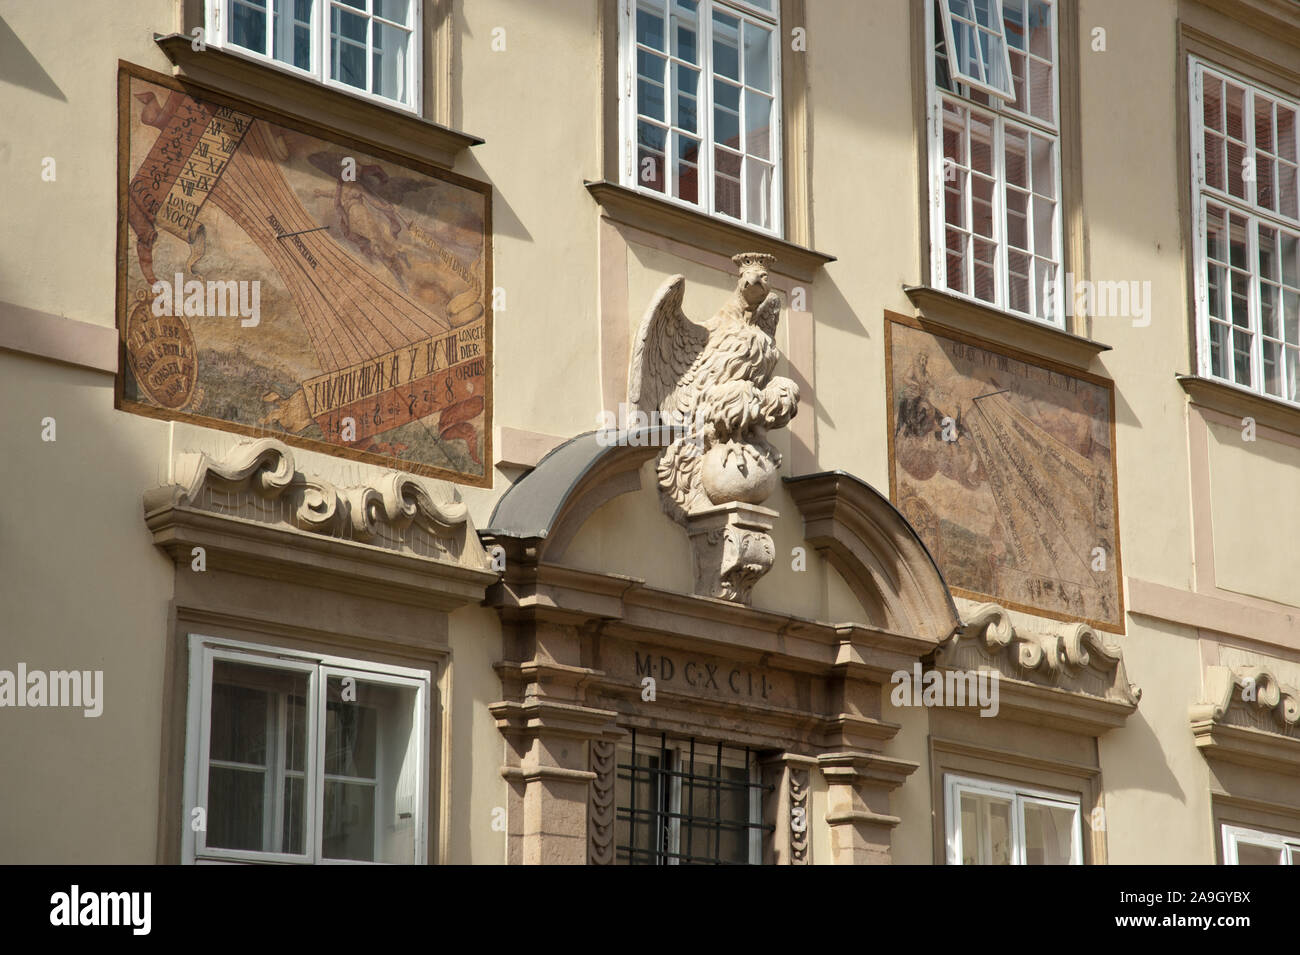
[{"x": 18, "y": 66}]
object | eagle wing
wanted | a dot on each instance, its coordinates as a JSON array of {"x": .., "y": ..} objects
[{"x": 663, "y": 358}]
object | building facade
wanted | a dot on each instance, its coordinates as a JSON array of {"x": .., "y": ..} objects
[{"x": 650, "y": 431}]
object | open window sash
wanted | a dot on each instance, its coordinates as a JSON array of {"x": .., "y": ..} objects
[{"x": 976, "y": 39}]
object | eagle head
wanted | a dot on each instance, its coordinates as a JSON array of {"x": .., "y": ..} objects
[{"x": 752, "y": 285}]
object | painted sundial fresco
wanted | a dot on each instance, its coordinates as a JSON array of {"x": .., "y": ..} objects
[
  {"x": 274, "y": 281},
  {"x": 1006, "y": 469}
]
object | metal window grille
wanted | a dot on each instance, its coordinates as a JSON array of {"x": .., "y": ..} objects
[{"x": 688, "y": 802}]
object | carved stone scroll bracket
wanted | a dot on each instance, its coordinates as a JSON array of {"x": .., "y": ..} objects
[
  {"x": 1071, "y": 659},
  {"x": 1257, "y": 690},
  {"x": 260, "y": 481},
  {"x": 731, "y": 549},
  {"x": 1248, "y": 717},
  {"x": 252, "y": 511}
]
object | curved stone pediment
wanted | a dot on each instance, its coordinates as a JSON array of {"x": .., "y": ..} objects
[
  {"x": 860, "y": 533},
  {"x": 553, "y": 500},
  {"x": 878, "y": 553}
]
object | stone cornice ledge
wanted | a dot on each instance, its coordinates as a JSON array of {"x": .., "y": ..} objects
[
  {"x": 254, "y": 513},
  {"x": 1277, "y": 18},
  {"x": 1248, "y": 718},
  {"x": 943, "y": 311},
  {"x": 626, "y": 607},
  {"x": 1240, "y": 403},
  {"x": 396, "y": 130},
  {"x": 856, "y": 767},
  {"x": 1067, "y": 677},
  {"x": 712, "y": 233},
  {"x": 533, "y": 715}
]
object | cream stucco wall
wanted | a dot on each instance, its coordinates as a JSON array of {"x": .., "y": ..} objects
[
  {"x": 82, "y": 588},
  {"x": 82, "y": 585}
]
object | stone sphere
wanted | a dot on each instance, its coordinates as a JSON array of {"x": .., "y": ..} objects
[{"x": 746, "y": 475}]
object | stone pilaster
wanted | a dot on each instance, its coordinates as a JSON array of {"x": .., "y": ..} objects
[
  {"x": 857, "y": 809},
  {"x": 549, "y": 730}
]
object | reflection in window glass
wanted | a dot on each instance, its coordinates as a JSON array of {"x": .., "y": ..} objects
[
  {"x": 997, "y": 228},
  {"x": 256, "y": 757},
  {"x": 1248, "y": 300},
  {"x": 1049, "y": 833},
  {"x": 688, "y": 93},
  {"x": 998, "y": 824},
  {"x": 985, "y": 829},
  {"x": 369, "y": 771},
  {"x": 368, "y": 45},
  {"x": 307, "y": 762}
]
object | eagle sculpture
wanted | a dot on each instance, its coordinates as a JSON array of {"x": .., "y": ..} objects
[{"x": 714, "y": 381}]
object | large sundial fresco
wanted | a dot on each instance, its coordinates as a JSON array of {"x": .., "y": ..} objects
[
  {"x": 1006, "y": 469},
  {"x": 358, "y": 316}
]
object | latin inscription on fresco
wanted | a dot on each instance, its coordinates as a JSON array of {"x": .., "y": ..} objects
[
  {"x": 279, "y": 283},
  {"x": 1006, "y": 470}
]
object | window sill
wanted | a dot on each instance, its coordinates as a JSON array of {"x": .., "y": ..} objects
[
  {"x": 1239, "y": 403},
  {"x": 945, "y": 310},
  {"x": 636, "y": 209},
  {"x": 390, "y": 127}
]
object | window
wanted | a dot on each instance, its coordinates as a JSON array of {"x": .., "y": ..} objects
[
  {"x": 1247, "y": 232},
  {"x": 994, "y": 824},
  {"x": 687, "y": 803},
  {"x": 700, "y": 105},
  {"x": 975, "y": 33},
  {"x": 368, "y": 47},
  {"x": 294, "y": 758},
  {"x": 1243, "y": 846},
  {"x": 995, "y": 154}
]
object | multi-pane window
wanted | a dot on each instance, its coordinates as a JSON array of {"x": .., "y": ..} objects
[
  {"x": 687, "y": 802},
  {"x": 1245, "y": 158},
  {"x": 995, "y": 824},
  {"x": 995, "y": 156},
  {"x": 1242, "y": 846},
  {"x": 304, "y": 759},
  {"x": 366, "y": 46},
  {"x": 700, "y": 105}
]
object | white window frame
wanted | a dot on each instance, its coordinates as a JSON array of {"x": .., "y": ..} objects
[
  {"x": 217, "y": 18},
  {"x": 1233, "y": 835},
  {"x": 204, "y": 651},
  {"x": 627, "y": 113},
  {"x": 1203, "y": 193},
  {"x": 937, "y": 170},
  {"x": 1005, "y": 94},
  {"x": 954, "y": 786}
]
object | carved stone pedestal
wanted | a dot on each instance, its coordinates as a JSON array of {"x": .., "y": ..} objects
[{"x": 731, "y": 549}]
